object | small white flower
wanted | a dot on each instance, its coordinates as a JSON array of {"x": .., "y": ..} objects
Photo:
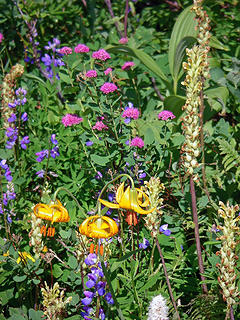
[{"x": 158, "y": 309}]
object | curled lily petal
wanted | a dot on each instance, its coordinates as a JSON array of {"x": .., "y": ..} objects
[
  {"x": 130, "y": 199},
  {"x": 98, "y": 227},
  {"x": 43, "y": 211}
]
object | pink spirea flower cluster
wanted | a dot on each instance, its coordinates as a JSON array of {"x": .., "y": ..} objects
[
  {"x": 108, "y": 87},
  {"x": 137, "y": 142},
  {"x": 123, "y": 40},
  {"x": 91, "y": 74},
  {"x": 1, "y": 37},
  {"x": 101, "y": 55},
  {"x": 81, "y": 48},
  {"x": 100, "y": 126},
  {"x": 165, "y": 115},
  {"x": 132, "y": 113},
  {"x": 70, "y": 119},
  {"x": 65, "y": 50},
  {"x": 127, "y": 65},
  {"x": 107, "y": 71}
]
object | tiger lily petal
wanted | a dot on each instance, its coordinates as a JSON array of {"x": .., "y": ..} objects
[
  {"x": 98, "y": 227},
  {"x": 130, "y": 199}
]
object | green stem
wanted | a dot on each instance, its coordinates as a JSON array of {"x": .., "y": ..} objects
[
  {"x": 70, "y": 194},
  {"x": 2, "y": 206}
]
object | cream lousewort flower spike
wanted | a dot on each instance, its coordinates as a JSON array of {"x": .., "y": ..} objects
[
  {"x": 158, "y": 309},
  {"x": 54, "y": 303},
  {"x": 227, "y": 254},
  {"x": 197, "y": 67}
]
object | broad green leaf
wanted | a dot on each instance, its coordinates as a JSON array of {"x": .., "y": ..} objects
[
  {"x": 217, "y": 97},
  {"x": 35, "y": 315},
  {"x": 32, "y": 76},
  {"x": 100, "y": 160},
  {"x": 215, "y": 43},
  {"x": 19, "y": 278},
  {"x": 72, "y": 262},
  {"x": 144, "y": 58},
  {"x": 65, "y": 78},
  {"x": 57, "y": 271},
  {"x": 184, "y": 27}
]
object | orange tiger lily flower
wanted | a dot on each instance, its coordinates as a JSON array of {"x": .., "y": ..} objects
[
  {"x": 53, "y": 213},
  {"x": 98, "y": 227},
  {"x": 130, "y": 199}
]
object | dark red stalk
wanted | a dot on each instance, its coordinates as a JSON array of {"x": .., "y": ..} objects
[{"x": 196, "y": 231}]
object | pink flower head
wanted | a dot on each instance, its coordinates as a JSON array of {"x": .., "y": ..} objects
[
  {"x": 127, "y": 65},
  {"x": 91, "y": 74},
  {"x": 70, "y": 119},
  {"x": 137, "y": 142},
  {"x": 1, "y": 37},
  {"x": 165, "y": 115},
  {"x": 123, "y": 40},
  {"x": 101, "y": 55},
  {"x": 130, "y": 113},
  {"x": 65, "y": 50},
  {"x": 107, "y": 71},
  {"x": 108, "y": 87},
  {"x": 100, "y": 126},
  {"x": 81, "y": 48}
]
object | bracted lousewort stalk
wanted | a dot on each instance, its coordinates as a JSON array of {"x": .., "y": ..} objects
[
  {"x": 227, "y": 253},
  {"x": 197, "y": 68}
]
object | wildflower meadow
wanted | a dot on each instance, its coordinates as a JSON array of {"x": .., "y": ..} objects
[{"x": 119, "y": 159}]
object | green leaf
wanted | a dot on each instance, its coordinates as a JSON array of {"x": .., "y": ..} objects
[
  {"x": 35, "y": 315},
  {"x": 65, "y": 78},
  {"x": 144, "y": 58},
  {"x": 57, "y": 271},
  {"x": 72, "y": 262},
  {"x": 19, "y": 278},
  {"x": 184, "y": 27},
  {"x": 100, "y": 160},
  {"x": 32, "y": 76},
  {"x": 217, "y": 97},
  {"x": 215, "y": 43}
]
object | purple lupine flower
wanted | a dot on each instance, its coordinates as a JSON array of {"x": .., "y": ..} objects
[
  {"x": 164, "y": 229},
  {"x": 8, "y": 175},
  {"x": 12, "y": 105},
  {"x": 12, "y": 118},
  {"x": 89, "y": 143},
  {"x": 144, "y": 244},
  {"x": 41, "y": 155},
  {"x": 101, "y": 287},
  {"x": 24, "y": 116},
  {"x": 98, "y": 176},
  {"x": 108, "y": 298},
  {"x": 141, "y": 174},
  {"x": 47, "y": 60},
  {"x": 40, "y": 173},
  {"x": 54, "y": 152},
  {"x": 21, "y": 92},
  {"x": 101, "y": 314},
  {"x": 53, "y": 139},
  {"x": 3, "y": 164},
  {"x": 91, "y": 259},
  {"x": 25, "y": 140},
  {"x": 52, "y": 45}
]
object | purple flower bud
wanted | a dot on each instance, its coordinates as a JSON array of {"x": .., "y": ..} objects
[
  {"x": 89, "y": 143},
  {"x": 101, "y": 287},
  {"x": 12, "y": 118},
  {"x": 108, "y": 298},
  {"x": 40, "y": 173},
  {"x": 8, "y": 175},
  {"x": 144, "y": 244},
  {"x": 91, "y": 259},
  {"x": 41, "y": 155},
  {"x": 25, "y": 140},
  {"x": 86, "y": 301},
  {"x": 24, "y": 116},
  {"x": 54, "y": 152},
  {"x": 164, "y": 229},
  {"x": 53, "y": 139}
]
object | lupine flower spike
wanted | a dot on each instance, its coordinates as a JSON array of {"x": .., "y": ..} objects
[{"x": 53, "y": 213}]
